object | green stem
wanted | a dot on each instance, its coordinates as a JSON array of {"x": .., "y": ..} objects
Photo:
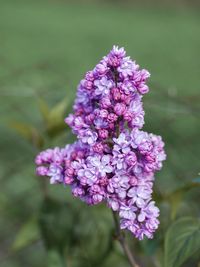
[{"x": 121, "y": 238}]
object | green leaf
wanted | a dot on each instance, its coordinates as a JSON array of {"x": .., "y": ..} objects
[
  {"x": 99, "y": 231},
  {"x": 28, "y": 132},
  {"x": 67, "y": 230},
  {"x": 44, "y": 109},
  {"x": 22, "y": 128},
  {"x": 28, "y": 234},
  {"x": 58, "y": 110},
  {"x": 55, "y": 259},
  {"x": 149, "y": 246},
  {"x": 175, "y": 198},
  {"x": 182, "y": 241},
  {"x": 57, "y": 220},
  {"x": 56, "y": 122}
]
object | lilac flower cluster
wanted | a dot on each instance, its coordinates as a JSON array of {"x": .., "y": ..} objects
[{"x": 113, "y": 160}]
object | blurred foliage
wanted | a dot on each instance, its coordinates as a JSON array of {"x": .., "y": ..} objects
[
  {"x": 46, "y": 46},
  {"x": 182, "y": 240}
]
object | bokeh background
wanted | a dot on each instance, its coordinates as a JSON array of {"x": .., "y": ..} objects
[{"x": 46, "y": 46}]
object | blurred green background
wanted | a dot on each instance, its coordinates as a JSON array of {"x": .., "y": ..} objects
[{"x": 45, "y": 49}]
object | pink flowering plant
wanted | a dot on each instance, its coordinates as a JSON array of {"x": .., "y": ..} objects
[{"x": 113, "y": 160}]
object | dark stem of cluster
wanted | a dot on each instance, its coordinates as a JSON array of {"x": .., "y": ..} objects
[{"x": 121, "y": 238}]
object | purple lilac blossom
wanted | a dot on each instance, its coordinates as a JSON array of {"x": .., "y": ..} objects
[{"x": 113, "y": 160}]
